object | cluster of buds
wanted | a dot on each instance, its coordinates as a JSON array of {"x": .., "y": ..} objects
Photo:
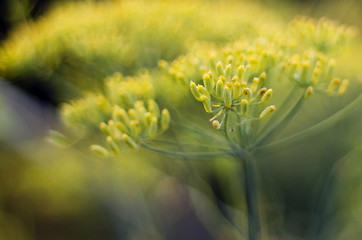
[
  {"x": 128, "y": 128},
  {"x": 124, "y": 91},
  {"x": 323, "y": 34},
  {"x": 315, "y": 72},
  {"x": 87, "y": 112},
  {"x": 229, "y": 89}
]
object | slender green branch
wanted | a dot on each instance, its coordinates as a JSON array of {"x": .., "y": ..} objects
[
  {"x": 316, "y": 129},
  {"x": 186, "y": 154},
  {"x": 176, "y": 143},
  {"x": 268, "y": 133}
]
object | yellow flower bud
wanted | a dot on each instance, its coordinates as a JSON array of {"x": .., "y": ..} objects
[
  {"x": 237, "y": 90},
  {"x": 343, "y": 86},
  {"x": 261, "y": 92},
  {"x": 267, "y": 96},
  {"x": 153, "y": 128},
  {"x": 121, "y": 127},
  {"x": 244, "y": 107},
  {"x": 315, "y": 76},
  {"x": 228, "y": 72},
  {"x": 331, "y": 70},
  {"x": 267, "y": 111},
  {"x": 220, "y": 70},
  {"x": 132, "y": 114},
  {"x": 234, "y": 79},
  {"x": 103, "y": 126},
  {"x": 240, "y": 72},
  {"x": 148, "y": 117},
  {"x": 100, "y": 150},
  {"x": 216, "y": 124},
  {"x": 194, "y": 91},
  {"x": 165, "y": 119},
  {"x": 203, "y": 91},
  {"x": 208, "y": 84},
  {"x": 304, "y": 73},
  {"x": 246, "y": 73},
  {"x": 220, "y": 90},
  {"x": 255, "y": 84},
  {"x": 135, "y": 127},
  {"x": 247, "y": 93},
  {"x": 207, "y": 103},
  {"x": 262, "y": 78},
  {"x": 333, "y": 85},
  {"x": 227, "y": 97},
  {"x": 113, "y": 145},
  {"x": 308, "y": 92},
  {"x": 129, "y": 141},
  {"x": 153, "y": 107}
]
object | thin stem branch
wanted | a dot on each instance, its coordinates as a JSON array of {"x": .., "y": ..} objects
[
  {"x": 281, "y": 123},
  {"x": 186, "y": 154},
  {"x": 316, "y": 129}
]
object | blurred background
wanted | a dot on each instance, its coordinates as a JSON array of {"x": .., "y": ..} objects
[{"x": 56, "y": 51}]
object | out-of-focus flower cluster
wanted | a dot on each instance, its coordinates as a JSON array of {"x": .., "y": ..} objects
[{"x": 324, "y": 35}]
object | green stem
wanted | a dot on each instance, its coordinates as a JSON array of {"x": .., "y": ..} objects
[
  {"x": 281, "y": 123},
  {"x": 316, "y": 129},
  {"x": 186, "y": 154},
  {"x": 226, "y": 132},
  {"x": 251, "y": 192}
]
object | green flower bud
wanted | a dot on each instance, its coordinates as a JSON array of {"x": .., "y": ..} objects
[
  {"x": 246, "y": 74},
  {"x": 244, "y": 107},
  {"x": 333, "y": 85},
  {"x": 228, "y": 72},
  {"x": 237, "y": 90},
  {"x": 331, "y": 70},
  {"x": 267, "y": 111},
  {"x": 113, "y": 145},
  {"x": 234, "y": 79},
  {"x": 304, "y": 73},
  {"x": 153, "y": 128},
  {"x": 207, "y": 103},
  {"x": 129, "y": 141},
  {"x": 194, "y": 91},
  {"x": 267, "y": 96},
  {"x": 262, "y": 78},
  {"x": 153, "y": 107},
  {"x": 220, "y": 90},
  {"x": 135, "y": 127},
  {"x": 165, "y": 119},
  {"x": 219, "y": 68},
  {"x": 261, "y": 92},
  {"x": 203, "y": 91},
  {"x": 121, "y": 127},
  {"x": 308, "y": 92},
  {"x": 163, "y": 65},
  {"x": 343, "y": 86},
  {"x": 247, "y": 93},
  {"x": 240, "y": 72},
  {"x": 100, "y": 150},
  {"x": 124, "y": 118},
  {"x": 103, "y": 126},
  {"x": 148, "y": 117},
  {"x": 263, "y": 60},
  {"x": 315, "y": 76},
  {"x": 255, "y": 84},
  {"x": 227, "y": 97},
  {"x": 132, "y": 114},
  {"x": 216, "y": 124},
  {"x": 208, "y": 84},
  {"x": 230, "y": 59}
]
